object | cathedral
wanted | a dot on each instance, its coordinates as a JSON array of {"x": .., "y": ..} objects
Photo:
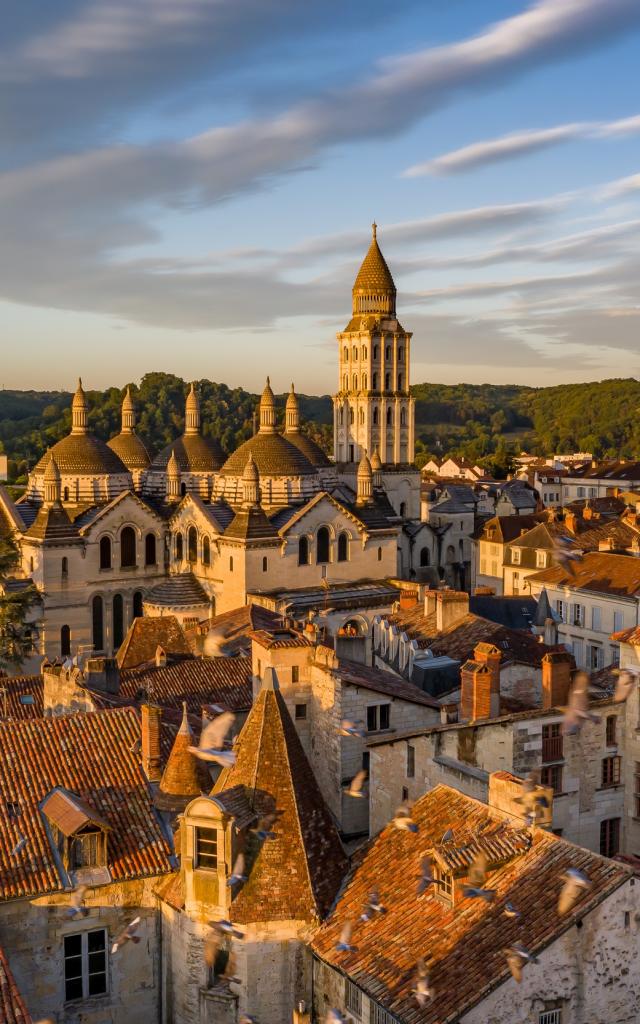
[{"x": 108, "y": 532}]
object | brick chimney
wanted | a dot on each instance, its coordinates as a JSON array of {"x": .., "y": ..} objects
[
  {"x": 489, "y": 655},
  {"x": 475, "y": 691},
  {"x": 150, "y": 736},
  {"x": 430, "y": 601},
  {"x": 556, "y": 678},
  {"x": 451, "y": 608},
  {"x": 571, "y": 522},
  {"x": 408, "y": 598}
]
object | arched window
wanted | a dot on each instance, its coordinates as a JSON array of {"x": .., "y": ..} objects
[
  {"x": 346, "y": 353},
  {"x": 128, "y": 547},
  {"x": 230, "y": 563},
  {"x": 303, "y": 551},
  {"x": 118, "y": 621},
  {"x": 425, "y": 557},
  {"x": 97, "y": 623},
  {"x": 361, "y": 417},
  {"x": 65, "y": 641},
  {"x": 355, "y": 352},
  {"x": 355, "y": 382},
  {"x": 379, "y": 554},
  {"x": 105, "y": 552},
  {"x": 375, "y": 415},
  {"x": 343, "y": 547},
  {"x": 403, "y": 417},
  {"x": 65, "y": 494},
  {"x": 206, "y": 551},
  {"x": 400, "y": 354},
  {"x": 179, "y": 547},
  {"x": 265, "y": 564},
  {"x": 65, "y": 566},
  {"x": 387, "y": 381},
  {"x": 387, "y": 354},
  {"x": 342, "y": 417},
  {"x": 137, "y": 604},
  {"x": 150, "y": 549},
  {"x": 403, "y": 508},
  {"x": 192, "y": 544},
  {"x": 389, "y": 417},
  {"x": 399, "y": 382},
  {"x": 352, "y": 416},
  {"x": 364, "y": 382},
  {"x": 345, "y": 383},
  {"x": 322, "y": 545},
  {"x": 375, "y": 351},
  {"x": 461, "y": 550},
  {"x": 375, "y": 382},
  {"x": 364, "y": 351}
]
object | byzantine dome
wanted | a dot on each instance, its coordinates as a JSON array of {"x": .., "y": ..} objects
[
  {"x": 194, "y": 454},
  {"x": 273, "y": 454},
  {"x": 131, "y": 450},
  {"x": 82, "y": 454}
]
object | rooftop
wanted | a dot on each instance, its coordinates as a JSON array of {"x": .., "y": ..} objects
[
  {"x": 198, "y": 681},
  {"x": 599, "y": 572},
  {"x": 146, "y": 634},
  {"x": 12, "y": 1006}
]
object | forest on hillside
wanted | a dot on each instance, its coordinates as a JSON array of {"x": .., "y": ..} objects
[{"x": 488, "y": 423}]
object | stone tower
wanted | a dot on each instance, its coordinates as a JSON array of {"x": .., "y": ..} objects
[{"x": 373, "y": 408}]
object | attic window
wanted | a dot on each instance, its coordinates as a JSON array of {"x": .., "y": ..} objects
[
  {"x": 79, "y": 833},
  {"x": 206, "y": 847},
  {"x": 444, "y": 883},
  {"x": 26, "y": 698},
  {"x": 87, "y": 850}
]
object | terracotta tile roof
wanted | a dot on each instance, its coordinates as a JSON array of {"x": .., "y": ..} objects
[
  {"x": 93, "y": 756},
  {"x": 12, "y": 1006},
  {"x": 145, "y": 635},
  {"x": 251, "y": 524},
  {"x": 69, "y": 813},
  {"x": 627, "y": 636},
  {"x": 296, "y": 875},
  {"x": 232, "y": 628},
  {"x": 381, "y": 682},
  {"x": 24, "y": 696},
  {"x": 599, "y": 572},
  {"x": 234, "y": 802},
  {"x": 197, "y": 681},
  {"x": 182, "y": 778},
  {"x": 464, "y": 944},
  {"x": 279, "y": 638}
]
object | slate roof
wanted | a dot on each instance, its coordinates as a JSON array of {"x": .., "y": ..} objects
[
  {"x": 82, "y": 453},
  {"x": 12, "y": 1007},
  {"x": 53, "y": 524},
  {"x": 506, "y": 528},
  {"x": 181, "y": 590},
  {"x": 381, "y": 682},
  {"x": 597, "y": 572},
  {"x": 91, "y": 755},
  {"x": 514, "y": 612},
  {"x": 197, "y": 681},
  {"x": 144, "y": 636},
  {"x": 296, "y": 875},
  {"x": 464, "y": 945}
]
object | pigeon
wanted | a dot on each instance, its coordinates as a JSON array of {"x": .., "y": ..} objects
[
  {"x": 335, "y": 1017},
  {"x": 20, "y": 845},
  {"x": 213, "y": 953},
  {"x": 343, "y": 944},
  {"x": 248, "y": 1019},
  {"x": 532, "y": 799},
  {"x": 263, "y": 828},
  {"x": 237, "y": 875},
  {"x": 511, "y": 912},
  {"x": 473, "y": 889},
  {"x": 578, "y": 711},
  {"x": 423, "y": 991},
  {"x": 425, "y": 879},
  {"x": 566, "y": 553},
  {"x": 372, "y": 907},
  {"x": 355, "y": 786},
  {"x": 76, "y": 907},
  {"x": 575, "y": 884},
  {"x": 625, "y": 683},
  {"x": 224, "y": 927},
  {"x": 349, "y": 728},
  {"x": 128, "y": 935},
  {"x": 448, "y": 837},
  {"x": 517, "y": 957},
  {"x": 211, "y": 747},
  {"x": 402, "y": 819}
]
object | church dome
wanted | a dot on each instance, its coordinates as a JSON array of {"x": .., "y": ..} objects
[
  {"x": 131, "y": 450},
  {"x": 273, "y": 454},
  {"x": 82, "y": 454},
  {"x": 194, "y": 454},
  {"x": 374, "y": 290},
  {"x": 311, "y": 451}
]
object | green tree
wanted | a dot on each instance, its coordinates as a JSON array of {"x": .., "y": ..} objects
[{"x": 15, "y": 633}]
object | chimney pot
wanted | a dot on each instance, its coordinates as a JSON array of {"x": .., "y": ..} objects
[
  {"x": 150, "y": 741},
  {"x": 557, "y": 667}
]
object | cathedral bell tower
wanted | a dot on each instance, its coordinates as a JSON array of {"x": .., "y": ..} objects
[{"x": 373, "y": 408}]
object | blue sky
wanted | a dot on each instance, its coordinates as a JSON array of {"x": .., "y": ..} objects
[{"x": 189, "y": 187}]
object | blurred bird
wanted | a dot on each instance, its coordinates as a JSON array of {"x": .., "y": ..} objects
[
  {"x": 532, "y": 799},
  {"x": 20, "y": 845},
  {"x": 474, "y": 888},
  {"x": 511, "y": 911},
  {"x": 237, "y": 875},
  {"x": 211, "y": 747},
  {"x": 76, "y": 903},
  {"x": 625, "y": 683},
  {"x": 349, "y": 728},
  {"x": 128, "y": 935},
  {"x": 344, "y": 942},
  {"x": 566, "y": 554},
  {"x": 214, "y": 956},
  {"x": 423, "y": 991},
  {"x": 263, "y": 828},
  {"x": 575, "y": 885},
  {"x": 448, "y": 837},
  {"x": 402, "y": 819},
  {"x": 372, "y": 907},
  {"x": 355, "y": 786},
  {"x": 335, "y": 1017},
  {"x": 225, "y": 927},
  {"x": 517, "y": 957},
  {"x": 247, "y": 1019},
  {"x": 425, "y": 878},
  {"x": 578, "y": 711}
]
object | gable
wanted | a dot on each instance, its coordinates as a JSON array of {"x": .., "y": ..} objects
[
  {"x": 192, "y": 512},
  {"x": 323, "y": 510},
  {"x": 126, "y": 507}
]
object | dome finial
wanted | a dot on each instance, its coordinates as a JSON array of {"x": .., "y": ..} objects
[
  {"x": 374, "y": 230},
  {"x": 128, "y": 414},
  {"x": 291, "y": 413},
  {"x": 267, "y": 410},
  {"x": 79, "y": 415},
  {"x": 192, "y": 411}
]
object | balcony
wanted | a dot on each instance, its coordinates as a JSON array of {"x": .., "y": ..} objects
[{"x": 552, "y": 749}]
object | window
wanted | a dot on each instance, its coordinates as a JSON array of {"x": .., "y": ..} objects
[
  {"x": 561, "y": 608},
  {"x": 65, "y": 494},
  {"x": 375, "y": 413},
  {"x": 230, "y": 563},
  {"x": 375, "y": 351},
  {"x": 551, "y": 775},
  {"x": 374, "y": 384},
  {"x": 137, "y": 604},
  {"x": 105, "y": 553},
  {"x": 322, "y": 545},
  {"x": 87, "y": 851},
  {"x": 192, "y": 544},
  {"x": 424, "y": 557},
  {"x": 400, "y": 354},
  {"x": 295, "y": 674},
  {"x": 387, "y": 353},
  {"x": 343, "y": 547},
  {"x": 636, "y": 789},
  {"x": 65, "y": 641},
  {"x": 611, "y": 730},
  {"x": 65, "y": 566},
  {"x": 118, "y": 620},
  {"x": 301, "y": 712},
  {"x": 618, "y": 621},
  {"x": 402, "y": 417},
  {"x": 303, "y": 551},
  {"x": 379, "y": 554},
  {"x": 379, "y": 1016},
  {"x": 345, "y": 383},
  {"x": 364, "y": 351},
  {"x": 206, "y": 848},
  {"x": 403, "y": 509},
  {"x": 387, "y": 381},
  {"x": 85, "y": 964},
  {"x": 378, "y": 717},
  {"x": 596, "y": 619},
  {"x": 265, "y": 564},
  {"x": 550, "y": 1017},
  {"x": 206, "y": 551},
  {"x": 595, "y": 656},
  {"x": 611, "y": 771},
  {"x": 127, "y": 548},
  {"x": 552, "y": 742},
  {"x": 355, "y": 352},
  {"x": 609, "y": 837},
  {"x": 411, "y": 761},
  {"x": 179, "y": 547},
  {"x": 541, "y": 559},
  {"x": 581, "y": 492},
  {"x": 352, "y": 998},
  {"x": 97, "y": 623},
  {"x": 355, "y": 382},
  {"x": 445, "y": 887},
  {"x": 389, "y": 417},
  {"x": 364, "y": 381},
  {"x": 577, "y": 615},
  {"x": 346, "y": 353},
  {"x": 150, "y": 549}
]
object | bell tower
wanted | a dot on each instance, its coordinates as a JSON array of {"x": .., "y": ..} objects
[{"x": 373, "y": 408}]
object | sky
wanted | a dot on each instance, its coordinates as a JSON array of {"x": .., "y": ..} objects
[{"x": 189, "y": 187}]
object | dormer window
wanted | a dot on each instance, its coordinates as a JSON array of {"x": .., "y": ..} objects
[
  {"x": 206, "y": 848},
  {"x": 444, "y": 887},
  {"x": 515, "y": 556},
  {"x": 79, "y": 833}
]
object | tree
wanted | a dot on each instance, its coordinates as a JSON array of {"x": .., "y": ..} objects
[{"x": 16, "y": 639}]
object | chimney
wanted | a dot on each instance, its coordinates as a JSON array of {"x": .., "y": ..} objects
[
  {"x": 430, "y": 602},
  {"x": 475, "y": 692},
  {"x": 408, "y": 599},
  {"x": 556, "y": 679},
  {"x": 150, "y": 728},
  {"x": 489, "y": 655},
  {"x": 550, "y": 637},
  {"x": 451, "y": 608},
  {"x": 102, "y": 674},
  {"x": 300, "y": 1014},
  {"x": 160, "y": 657}
]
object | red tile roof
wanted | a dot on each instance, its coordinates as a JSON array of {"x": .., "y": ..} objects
[
  {"x": 145, "y": 635},
  {"x": 197, "y": 681},
  {"x": 93, "y": 755},
  {"x": 233, "y": 628},
  {"x": 12, "y": 1007},
  {"x": 18, "y": 690},
  {"x": 464, "y": 944},
  {"x": 598, "y": 572}
]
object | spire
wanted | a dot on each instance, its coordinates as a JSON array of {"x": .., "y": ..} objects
[
  {"x": 267, "y": 410},
  {"x": 376, "y": 468},
  {"x": 180, "y": 781},
  {"x": 292, "y": 413},
  {"x": 52, "y": 484},
  {"x": 173, "y": 478},
  {"x": 374, "y": 290},
  {"x": 365, "y": 480},
  {"x": 79, "y": 414},
  {"x": 192, "y": 412},
  {"x": 128, "y": 414},
  {"x": 250, "y": 483}
]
